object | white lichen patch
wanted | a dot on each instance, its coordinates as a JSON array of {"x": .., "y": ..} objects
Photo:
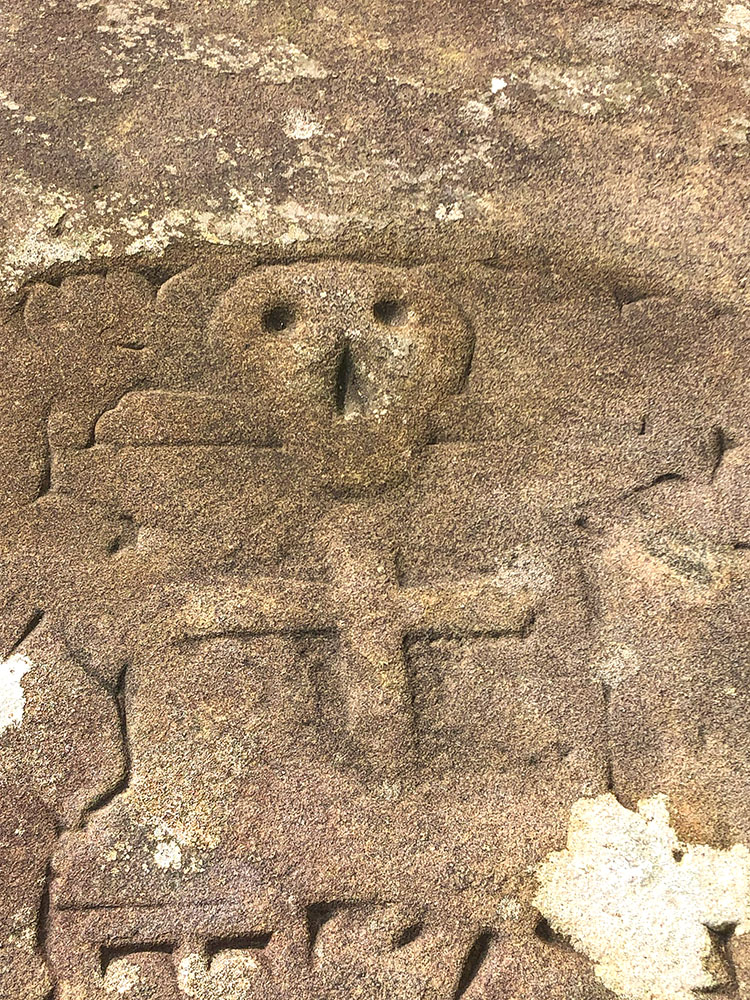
[
  {"x": 509, "y": 908},
  {"x": 168, "y": 854},
  {"x": 133, "y": 31},
  {"x": 121, "y": 977},
  {"x": 8, "y": 103},
  {"x": 449, "y": 213},
  {"x": 283, "y": 62},
  {"x": 51, "y": 226},
  {"x": 735, "y": 24},
  {"x": 615, "y": 664},
  {"x": 168, "y": 847},
  {"x": 476, "y": 113},
  {"x": 595, "y": 90},
  {"x": 22, "y": 931},
  {"x": 232, "y": 974},
  {"x": 12, "y": 697},
  {"x": 301, "y": 125},
  {"x": 641, "y": 904},
  {"x": 178, "y": 844}
]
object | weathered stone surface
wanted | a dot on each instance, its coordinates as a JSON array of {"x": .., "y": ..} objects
[
  {"x": 609, "y": 135},
  {"x": 374, "y": 435}
]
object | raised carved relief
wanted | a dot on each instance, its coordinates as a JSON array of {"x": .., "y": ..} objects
[{"x": 328, "y": 577}]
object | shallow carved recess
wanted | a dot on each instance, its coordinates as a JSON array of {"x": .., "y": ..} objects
[{"x": 329, "y": 589}]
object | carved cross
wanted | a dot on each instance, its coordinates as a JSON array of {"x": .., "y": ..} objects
[{"x": 375, "y": 619}]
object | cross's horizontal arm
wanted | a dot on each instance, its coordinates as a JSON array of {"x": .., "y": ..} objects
[
  {"x": 271, "y": 606},
  {"x": 468, "y": 608}
]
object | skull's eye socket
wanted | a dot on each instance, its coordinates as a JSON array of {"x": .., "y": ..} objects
[
  {"x": 392, "y": 312},
  {"x": 277, "y": 318}
]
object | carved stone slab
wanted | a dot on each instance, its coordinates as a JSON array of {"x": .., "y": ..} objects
[{"x": 328, "y": 590}]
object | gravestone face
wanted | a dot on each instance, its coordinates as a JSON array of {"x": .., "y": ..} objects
[{"x": 329, "y": 589}]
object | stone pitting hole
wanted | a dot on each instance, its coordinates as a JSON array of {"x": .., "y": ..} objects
[
  {"x": 277, "y": 318},
  {"x": 390, "y": 311},
  {"x": 544, "y": 932},
  {"x": 409, "y": 934}
]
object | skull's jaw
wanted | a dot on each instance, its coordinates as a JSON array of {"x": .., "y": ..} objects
[{"x": 358, "y": 456}]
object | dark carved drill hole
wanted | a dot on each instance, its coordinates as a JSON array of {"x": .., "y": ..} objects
[
  {"x": 349, "y": 398},
  {"x": 344, "y": 378},
  {"x": 389, "y": 311},
  {"x": 277, "y": 319}
]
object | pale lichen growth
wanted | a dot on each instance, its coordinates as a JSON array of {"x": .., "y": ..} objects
[
  {"x": 596, "y": 90},
  {"x": 167, "y": 854},
  {"x": 121, "y": 976},
  {"x": 232, "y": 974},
  {"x": 477, "y": 113},
  {"x": 641, "y": 904},
  {"x": 509, "y": 908},
  {"x": 54, "y": 226},
  {"x": 735, "y": 24},
  {"x": 135, "y": 30},
  {"x": 301, "y": 125},
  {"x": 12, "y": 697},
  {"x": 449, "y": 213},
  {"x": 616, "y": 663},
  {"x": 51, "y": 226},
  {"x": 169, "y": 844}
]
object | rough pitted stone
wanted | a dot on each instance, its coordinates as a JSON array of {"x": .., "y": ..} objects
[{"x": 374, "y": 527}]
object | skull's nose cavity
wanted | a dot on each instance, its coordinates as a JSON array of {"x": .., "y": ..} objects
[{"x": 349, "y": 398}]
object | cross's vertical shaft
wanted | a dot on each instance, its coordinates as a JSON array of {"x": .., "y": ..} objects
[{"x": 373, "y": 666}]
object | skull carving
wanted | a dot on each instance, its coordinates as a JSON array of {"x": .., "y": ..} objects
[{"x": 351, "y": 362}]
